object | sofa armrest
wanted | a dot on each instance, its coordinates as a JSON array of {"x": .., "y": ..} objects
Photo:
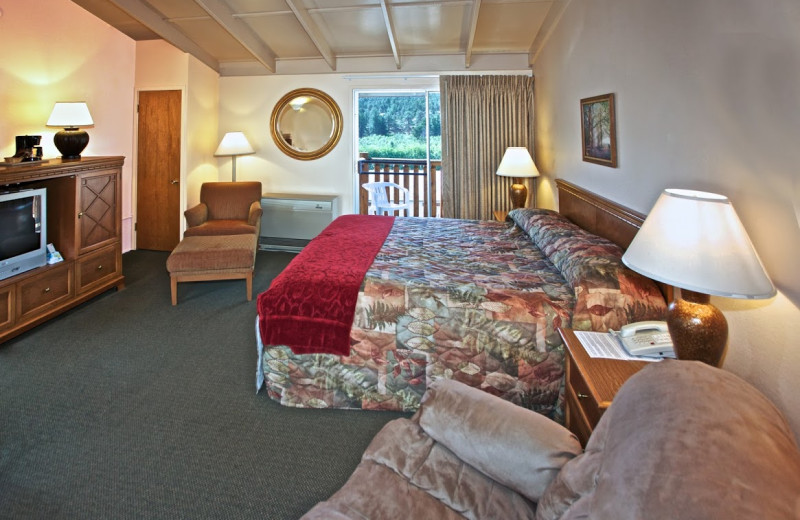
[
  {"x": 516, "y": 447},
  {"x": 196, "y": 215},
  {"x": 254, "y": 216}
]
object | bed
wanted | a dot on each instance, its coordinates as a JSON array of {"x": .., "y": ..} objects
[{"x": 476, "y": 301}]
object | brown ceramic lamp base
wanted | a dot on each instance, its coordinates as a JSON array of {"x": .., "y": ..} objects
[
  {"x": 699, "y": 330},
  {"x": 519, "y": 194},
  {"x": 70, "y": 142}
]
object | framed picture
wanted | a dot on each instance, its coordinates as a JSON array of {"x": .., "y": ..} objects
[{"x": 599, "y": 130}]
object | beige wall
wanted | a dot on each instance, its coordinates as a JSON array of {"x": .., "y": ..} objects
[
  {"x": 56, "y": 51},
  {"x": 706, "y": 99}
]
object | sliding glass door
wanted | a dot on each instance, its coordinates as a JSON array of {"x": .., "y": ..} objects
[{"x": 400, "y": 141}]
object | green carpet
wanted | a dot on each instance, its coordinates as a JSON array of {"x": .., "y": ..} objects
[{"x": 128, "y": 407}]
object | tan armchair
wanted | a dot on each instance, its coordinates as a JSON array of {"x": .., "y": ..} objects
[{"x": 226, "y": 208}]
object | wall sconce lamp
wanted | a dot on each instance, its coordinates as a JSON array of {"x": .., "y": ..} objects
[
  {"x": 71, "y": 140},
  {"x": 517, "y": 163},
  {"x": 233, "y": 144},
  {"x": 694, "y": 240}
]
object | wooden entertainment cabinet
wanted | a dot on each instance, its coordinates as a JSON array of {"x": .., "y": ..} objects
[{"x": 83, "y": 223}]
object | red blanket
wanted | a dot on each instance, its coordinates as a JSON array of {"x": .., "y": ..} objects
[{"x": 310, "y": 306}]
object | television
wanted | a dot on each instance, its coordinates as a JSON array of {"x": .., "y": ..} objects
[{"x": 23, "y": 231}]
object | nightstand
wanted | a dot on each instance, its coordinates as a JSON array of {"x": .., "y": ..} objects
[
  {"x": 591, "y": 384},
  {"x": 499, "y": 215}
]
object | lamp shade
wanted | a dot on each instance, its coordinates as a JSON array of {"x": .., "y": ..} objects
[
  {"x": 68, "y": 115},
  {"x": 234, "y": 143},
  {"x": 694, "y": 240},
  {"x": 517, "y": 162}
]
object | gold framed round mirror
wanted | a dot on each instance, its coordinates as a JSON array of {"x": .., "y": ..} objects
[{"x": 306, "y": 124}]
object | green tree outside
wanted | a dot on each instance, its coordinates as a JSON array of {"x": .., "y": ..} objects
[{"x": 393, "y": 126}]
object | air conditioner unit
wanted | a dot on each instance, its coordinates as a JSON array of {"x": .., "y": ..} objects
[{"x": 289, "y": 221}]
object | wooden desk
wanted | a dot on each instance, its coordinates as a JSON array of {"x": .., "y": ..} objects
[{"x": 591, "y": 384}]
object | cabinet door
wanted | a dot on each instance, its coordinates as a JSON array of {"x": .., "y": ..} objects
[
  {"x": 6, "y": 306},
  {"x": 98, "y": 200}
]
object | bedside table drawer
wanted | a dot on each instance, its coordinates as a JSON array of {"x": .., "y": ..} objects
[
  {"x": 590, "y": 385},
  {"x": 576, "y": 420},
  {"x": 582, "y": 397}
]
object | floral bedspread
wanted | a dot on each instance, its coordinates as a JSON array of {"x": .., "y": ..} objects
[{"x": 475, "y": 301}]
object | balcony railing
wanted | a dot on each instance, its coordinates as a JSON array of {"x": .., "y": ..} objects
[{"x": 423, "y": 184}]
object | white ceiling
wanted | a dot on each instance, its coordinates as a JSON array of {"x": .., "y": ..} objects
[{"x": 240, "y": 37}]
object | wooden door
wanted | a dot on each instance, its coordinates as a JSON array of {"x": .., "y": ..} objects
[{"x": 158, "y": 170}]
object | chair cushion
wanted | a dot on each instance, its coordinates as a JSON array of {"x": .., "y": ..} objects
[
  {"x": 682, "y": 440},
  {"x": 229, "y": 200},
  {"x": 221, "y": 227},
  {"x": 212, "y": 253}
]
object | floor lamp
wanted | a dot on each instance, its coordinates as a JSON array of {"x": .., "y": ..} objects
[{"x": 234, "y": 144}]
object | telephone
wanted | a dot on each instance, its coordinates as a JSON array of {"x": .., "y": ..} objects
[{"x": 646, "y": 338}]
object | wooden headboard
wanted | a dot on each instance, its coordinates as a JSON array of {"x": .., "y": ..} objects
[
  {"x": 602, "y": 217},
  {"x": 597, "y": 214}
]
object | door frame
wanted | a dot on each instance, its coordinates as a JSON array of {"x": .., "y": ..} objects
[{"x": 135, "y": 165}]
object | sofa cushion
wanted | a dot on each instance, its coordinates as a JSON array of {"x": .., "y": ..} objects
[
  {"x": 682, "y": 440},
  {"x": 404, "y": 473},
  {"x": 515, "y": 446}
]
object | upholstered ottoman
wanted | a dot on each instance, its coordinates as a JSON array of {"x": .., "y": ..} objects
[{"x": 221, "y": 257}]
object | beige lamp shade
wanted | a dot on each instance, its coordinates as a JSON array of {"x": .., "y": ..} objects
[
  {"x": 517, "y": 162},
  {"x": 694, "y": 240},
  {"x": 70, "y": 114},
  {"x": 234, "y": 143}
]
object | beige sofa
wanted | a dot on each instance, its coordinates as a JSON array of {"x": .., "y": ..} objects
[{"x": 681, "y": 440}]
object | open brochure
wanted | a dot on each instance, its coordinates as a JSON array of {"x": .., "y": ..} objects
[{"x": 606, "y": 345}]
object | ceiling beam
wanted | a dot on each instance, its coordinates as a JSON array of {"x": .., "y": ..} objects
[
  {"x": 153, "y": 21},
  {"x": 241, "y": 32},
  {"x": 387, "y": 19},
  {"x": 313, "y": 32},
  {"x": 549, "y": 24},
  {"x": 473, "y": 25}
]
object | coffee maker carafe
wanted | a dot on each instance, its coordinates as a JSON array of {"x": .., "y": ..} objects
[{"x": 28, "y": 148}]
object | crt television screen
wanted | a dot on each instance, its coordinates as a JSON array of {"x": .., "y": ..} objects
[{"x": 19, "y": 227}]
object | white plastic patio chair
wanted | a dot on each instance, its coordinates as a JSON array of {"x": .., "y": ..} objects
[{"x": 382, "y": 203}]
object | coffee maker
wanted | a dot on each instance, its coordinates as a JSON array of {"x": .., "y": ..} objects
[{"x": 28, "y": 148}]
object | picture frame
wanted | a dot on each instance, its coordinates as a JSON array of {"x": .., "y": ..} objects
[{"x": 599, "y": 130}]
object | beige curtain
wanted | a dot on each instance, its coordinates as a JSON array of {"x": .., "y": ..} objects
[{"x": 481, "y": 117}]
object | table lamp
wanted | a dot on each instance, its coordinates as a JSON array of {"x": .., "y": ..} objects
[
  {"x": 233, "y": 144},
  {"x": 71, "y": 140},
  {"x": 517, "y": 163},
  {"x": 694, "y": 240}
]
